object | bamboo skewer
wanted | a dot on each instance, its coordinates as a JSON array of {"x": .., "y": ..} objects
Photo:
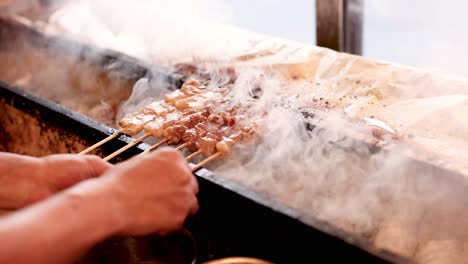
[
  {"x": 206, "y": 161},
  {"x": 155, "y": 146},
  {"x": 193, "y": 155},
  {"x": 107, "y": 139},
  {"x": 131, "y": 144},
  {"x": 182, "y": 146}
]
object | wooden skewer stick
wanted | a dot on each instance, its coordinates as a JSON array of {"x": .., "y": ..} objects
[
  {"x": 131, "y": 144},
  {"x": 193, "y": 155},
  {"x": 182, "y": 146},
  {"x": 155, "y": 146},
  {"x": 107, "y": 139},
  {"x": 206, "y": 161}
]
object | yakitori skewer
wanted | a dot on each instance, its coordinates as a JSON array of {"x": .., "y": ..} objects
[
  {"x": 102, "y": 142},
  {"x": 193, "y": 155},
  {"x": 222, "y": 147},
  {"x": 191, "y": 118},
  {"x": 134, "y": 123},
  {"x": 206, "y": 161},
  {"x": 131, "y": 144},
  {"x": 155, "y": 146},
  {"x": 186, "y": 144}
]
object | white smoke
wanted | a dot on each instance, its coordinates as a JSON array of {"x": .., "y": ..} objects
[
  {"x": 147, "y": 29},
  {"x": 329, "y": 173}
]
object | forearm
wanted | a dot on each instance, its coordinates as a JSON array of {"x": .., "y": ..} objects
[
  {"x": 56, "y": 230},
  {"x": 16, "y": 187},
  {"x": 25, "y": 180}
]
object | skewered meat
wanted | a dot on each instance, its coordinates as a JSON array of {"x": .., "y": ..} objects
[
  {"x": 218, "y": 132},
  {"x": 200, "y": 101},
  {"x": 195, "y": 103},
  {"x": 199, "y": 116},
  {"x": 224, "y": 146},
  {"x": 174, "y": 133},
  {"x": 192, "y": 87},
  {"x": 157, "y": 127},
  {"x": 207, "y": 145},
  {"x": 216, "y": 119},
  {"x": 133, "y": 123},
  {"x": 192, "y": 120},
  {"x": 201, "y": 129},
  {"x": 195, "y": 99},
  {"x": 228, "y": 118},
  {"x": 158, "y": 108},
  {"x": 191, "y": 137},
  {"x": 247, "y": 132},
  {"x": 187, "y": 119},
  {"x": 176, "y": 95}
]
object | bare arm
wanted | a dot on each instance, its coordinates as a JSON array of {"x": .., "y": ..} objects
[
  {"x": 152, "y": 194},
  {"x": 25, "y": 180},
  {"x": 58, "y": 229}
]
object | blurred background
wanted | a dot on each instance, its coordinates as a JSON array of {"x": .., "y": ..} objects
[
  {"x": 422, "y": 33},
  {"x": 428, "y": 34}
]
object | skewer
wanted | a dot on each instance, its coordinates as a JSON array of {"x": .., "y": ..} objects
[
  {"x": 193, "y": 155},
  {"x": 109, "y": 138},
  {"x": 155, "y": 146},
  {"x": 131, "y": 144},
  {"x": 206, "y": 161},
  {"x": 182, "y": 146}
]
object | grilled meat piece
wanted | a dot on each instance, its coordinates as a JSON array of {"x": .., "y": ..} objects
[
  {"x": 133, "y": 123},
  {"x": 207, "y": 145},
  {"x": 224, "y": 146},
  {"x": 174, "y": 133}
]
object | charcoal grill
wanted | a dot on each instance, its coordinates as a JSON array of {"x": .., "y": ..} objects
[{"x": 232, "y": 220}]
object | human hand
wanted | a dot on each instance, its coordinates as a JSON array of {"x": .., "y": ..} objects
[
  {"x": 152, "y": 194},
  {"x": 25, "y": 180}
]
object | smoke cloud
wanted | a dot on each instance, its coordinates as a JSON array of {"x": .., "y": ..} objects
[
  {"x": 147, "y": 29},
  {"x": 322, "y": 167},
  {"x": 330, "y": 173}
]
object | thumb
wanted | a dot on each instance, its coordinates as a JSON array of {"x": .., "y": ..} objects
[{"x": 65, "y": 170}]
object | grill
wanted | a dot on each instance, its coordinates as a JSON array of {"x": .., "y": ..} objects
[{"x": 232, "y": 221}]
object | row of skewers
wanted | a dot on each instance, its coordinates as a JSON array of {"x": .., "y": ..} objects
[
  {"x": 198, "y": 118},
  {"x": 203, "y": 120}
]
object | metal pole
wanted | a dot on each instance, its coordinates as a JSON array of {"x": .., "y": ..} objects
[
  {"x": 339, "y": 25},
  {"x": 353, "y": 19},
  {"x": 329, "y": 25}
]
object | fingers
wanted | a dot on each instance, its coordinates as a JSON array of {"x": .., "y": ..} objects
[
  {"x": 194, "y": 208},
  {"x": 167, "y": 154},
  {"x": 160, "y": 181},
  {"x": 175, "y": 157},
  {"x": 185, "y": 175},
  {"x": 65, "y": 170},
  {"x": 169, "y": 157},
  {"x": 10, "y": 162}
]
